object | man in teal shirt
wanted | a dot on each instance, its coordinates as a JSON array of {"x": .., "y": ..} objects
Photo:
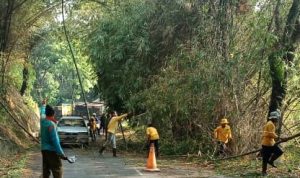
[{"x": 51, "y": 150}]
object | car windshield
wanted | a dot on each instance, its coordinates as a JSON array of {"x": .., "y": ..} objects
[{"x": 72, "y": 122}]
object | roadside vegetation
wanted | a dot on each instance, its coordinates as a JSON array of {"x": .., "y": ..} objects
[{"x": 183, "y": 65}]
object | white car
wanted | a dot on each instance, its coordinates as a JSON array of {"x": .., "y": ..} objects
[{"x": 73, "y": 130}]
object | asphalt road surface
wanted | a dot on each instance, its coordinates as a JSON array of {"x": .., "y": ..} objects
[{"x": 90, "y": 164}]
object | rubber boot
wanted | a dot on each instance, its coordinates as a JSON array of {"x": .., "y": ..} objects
[
  {"x": 114, "y": 152},
  {"x": 264, "y": 168},
  {"x": 101, "y": 150},
  {"x": 273, "y": 158}
]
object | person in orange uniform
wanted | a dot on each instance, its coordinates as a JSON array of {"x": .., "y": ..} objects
[
  {"x": 270, "y": 151},
  {"x": 222, "y": 134},
  {"x": 153, "y": 137},
  {"x": 111, "y": 130}
]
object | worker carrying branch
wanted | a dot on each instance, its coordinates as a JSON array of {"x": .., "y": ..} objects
[
  {"x": 270, "y": 151},
  {"x": 111, "y": 130},
  {"x": 223, "y": 135}
]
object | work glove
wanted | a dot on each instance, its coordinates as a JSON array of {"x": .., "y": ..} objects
[{"x": 71, "y": 159}]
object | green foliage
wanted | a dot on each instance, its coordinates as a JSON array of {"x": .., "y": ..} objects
[
  {"x": 164, "y": 58},
  {"x": 17, "y": 168},
  {"x": 130, "y": 45},
  {"x": 117, "y": 48},
  {"x": 251, "y": 167},
  {"x": 182, "y": 147},
  {"x": 55, "y": 70},
  {"x": 186, "y": 63},
  {"x": 277, "y": 66}
]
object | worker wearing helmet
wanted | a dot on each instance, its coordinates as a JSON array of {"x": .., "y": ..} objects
[
  {"x": 222, "y": 134},
  {"x": 270, "y": 151}
]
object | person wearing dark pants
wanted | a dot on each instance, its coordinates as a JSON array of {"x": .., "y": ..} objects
[
  {"x": 102, "y": 123},
  {"x": 111, "y": 130},
  {"x": 153, "y": 137},
  {"x": 51, "y": 163},
  {"x": 52, "y": 152},
  {"x": 270, "y": 151}
]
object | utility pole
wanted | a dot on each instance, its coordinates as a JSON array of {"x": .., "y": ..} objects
[{"x": 74, "y": 59}]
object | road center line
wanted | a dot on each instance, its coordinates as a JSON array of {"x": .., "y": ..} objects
[{"x": 139, "y": 172}]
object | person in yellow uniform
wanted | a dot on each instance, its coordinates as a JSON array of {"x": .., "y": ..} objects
[
  {"x": 270, "y": 151},
  {"x": 153, "y": 137},
  {"x": 222, "y": 134},
  {"x": 111, "y": 130}
]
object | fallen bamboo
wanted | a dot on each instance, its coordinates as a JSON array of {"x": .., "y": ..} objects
[
  {"x": 20, "y": 125},
  {"x": 282, "y": 140}
]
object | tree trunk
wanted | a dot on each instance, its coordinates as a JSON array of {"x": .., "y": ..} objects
[
  {"x": 25, "y": 79},
  {"x": 224, "y": 21},
  {"x": 5, "y": 21},
  {"x": 6, "y": 9},
  {"x": 283, "y": 55}
]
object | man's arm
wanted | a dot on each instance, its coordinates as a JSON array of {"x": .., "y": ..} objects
[
  {"x": 229, "y": 134},
  {"x": 118, "y": 118},
  {"x": 216, "y": 133},
  {"x": 55, "y": 141}
]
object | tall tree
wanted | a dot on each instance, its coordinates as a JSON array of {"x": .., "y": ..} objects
[
  {"x": 6, "y": 13},
  {"x": 284, "y": 55}
]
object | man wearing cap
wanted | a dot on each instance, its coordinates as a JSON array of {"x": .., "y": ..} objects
[
  {"x": 222, "y": 134},
  {"x": 270, "y": 151},
  {"x": 52, "y": 152}
]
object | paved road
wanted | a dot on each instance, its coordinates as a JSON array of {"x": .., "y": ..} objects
[
  {"x": 90, "y": 165},
  {"x": 96, "y": 166}
]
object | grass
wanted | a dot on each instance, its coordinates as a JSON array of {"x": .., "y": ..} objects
[
  {"x": 12, "y": 165},
  {"x": 288, "y": 165},
  {"x": 16, "y": 170},
  {"x": 13, "y": 162}
]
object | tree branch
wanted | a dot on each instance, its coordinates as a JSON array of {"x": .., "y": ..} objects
[
  {"x": 277, "y": 16},
  {"x": 19, "y": 5},
  {"x": 255, "y": 151},
  {"x": 17, "y": 122}
]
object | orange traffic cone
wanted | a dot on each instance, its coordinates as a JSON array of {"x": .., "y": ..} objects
[{"x": 151, "y": 161}]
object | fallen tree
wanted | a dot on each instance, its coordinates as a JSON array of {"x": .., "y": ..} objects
[
  {"x": 18, "y": 123},
  {"x": 282, "y": 140}
]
